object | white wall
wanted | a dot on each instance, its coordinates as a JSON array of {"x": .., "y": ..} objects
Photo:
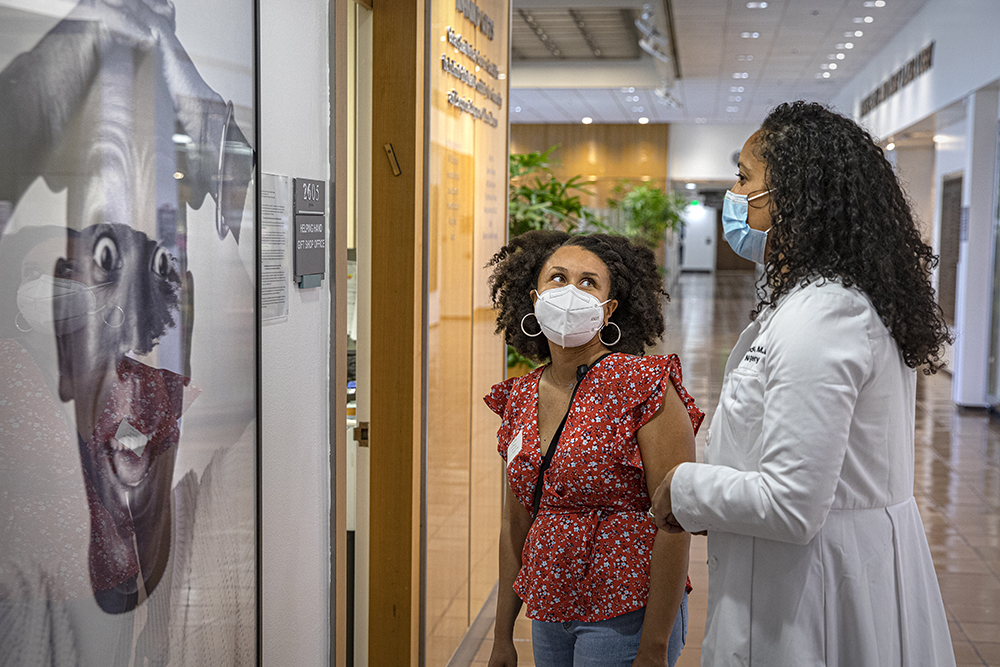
[
  {"x": 295, "y": 121},
  {"x": 704, "y": 152},
  {"x": 966, "y": 57}
]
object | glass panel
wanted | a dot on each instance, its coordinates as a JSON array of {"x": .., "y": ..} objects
[
  {"x": 128, "y": 331},
  {"x": 467, "y": 192}
]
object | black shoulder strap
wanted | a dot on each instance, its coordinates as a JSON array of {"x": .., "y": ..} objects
[{"x": 581, "y": 372}]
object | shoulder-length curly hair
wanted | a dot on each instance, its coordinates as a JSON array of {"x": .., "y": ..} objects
[
  {"x": 635, "y": 283},
  {"x": 839, "y": 214}
]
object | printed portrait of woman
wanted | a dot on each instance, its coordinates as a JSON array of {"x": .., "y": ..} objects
[{"x": 127, "y": 334}]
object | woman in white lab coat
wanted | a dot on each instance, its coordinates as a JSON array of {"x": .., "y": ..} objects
[{"x": 817, "y": 555}]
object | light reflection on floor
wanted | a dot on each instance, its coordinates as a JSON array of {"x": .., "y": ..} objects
[{"x": 957, "y": 481}]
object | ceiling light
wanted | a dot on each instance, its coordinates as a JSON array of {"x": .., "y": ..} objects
[
  {"x": 890, "y": 146},
  {"x": 840, "y": 56},
  {"x": 517, "y": 109},
  {"x": 858, "y": 33},
  {"x": 643, "y": 120},
  {"x": 756, "y": 5},
  {"x": 691, "y": 186},
  {"x": 631, "y": 89},
  {"x": 183, "y": 139},
  {"x": 740, "y": 75},
  {"x": 869, "y": 19},
  {"x": 732, "y": 109},
  {"x": 739, "y": 89},
  {"x": 749, "y": 35},
  {"x": 880, "y": 3},
  {"x": 833, "y": 65},
  {"x": 826, "y": 75},
  {"x": 587, "y": 120},
  {"x": 938, "y": 138},
  {"x": 849, "y": 45},
  {"x": 641, "y": 109},
  {"x": 178, "y": 175}
]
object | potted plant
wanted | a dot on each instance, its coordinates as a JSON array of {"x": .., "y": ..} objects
[{"x": 647, "y": 212}]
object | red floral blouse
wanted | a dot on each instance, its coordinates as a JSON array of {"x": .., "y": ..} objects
[{"x": 587, "y": 554}]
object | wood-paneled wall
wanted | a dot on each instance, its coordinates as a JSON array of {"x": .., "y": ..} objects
[{"x": 602, "y": 154}]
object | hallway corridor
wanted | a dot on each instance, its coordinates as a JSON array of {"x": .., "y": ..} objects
[{"x": 957, "y": 481}]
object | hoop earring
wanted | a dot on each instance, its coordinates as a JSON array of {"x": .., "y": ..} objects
[
  {"x": 17, "y": 323},
  {"x": 120, "y": 321},
  {"x": 534, "y": 335},
  {"x": 600, "y": 338}
]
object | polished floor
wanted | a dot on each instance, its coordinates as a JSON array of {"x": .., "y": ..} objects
[{"x": 957, "y": 483}]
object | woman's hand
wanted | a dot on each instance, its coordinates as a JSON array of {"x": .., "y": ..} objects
[
  {"x": 503, "y": 654},
  {"x": 662, "y": 507}
]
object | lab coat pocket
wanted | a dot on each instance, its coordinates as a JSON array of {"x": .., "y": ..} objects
[{"x": 743, "y": 408}]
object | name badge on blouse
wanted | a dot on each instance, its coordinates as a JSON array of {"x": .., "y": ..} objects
[{"x": 514, "y": 448}]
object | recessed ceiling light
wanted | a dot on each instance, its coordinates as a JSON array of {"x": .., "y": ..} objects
[
  {"x": 849, "y": 45},
  {"x": 840, "y": 56},
  {"x": 641, "y": 109},
  {"x": 869, "y": 19},
  {"x": 740, "y": 75},
  {"x": 587, "y": 120},
  {"x": 517, "y": 109},
  {"x": 643, "y": 120},
  {"x": 880, "y": 3},
  {"x": 739, "y": 89},
  {"x": 178, "y": 175},
  {"x": 890, "y": 146},
  {"x": 826, "y": 75},
  {"x": 756, "y": 5},
  {"x": 749, "y": 35},
  {"x": 858, "y": 33},
  {"x": 631, "y": 89},
  {"x": 732, "y": 109},
  {"x": 691, "y": 186},
  {"x": 833, "y": 65}
]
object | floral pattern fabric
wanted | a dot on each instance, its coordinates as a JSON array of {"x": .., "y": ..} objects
[{"x": 587, "y": 554}]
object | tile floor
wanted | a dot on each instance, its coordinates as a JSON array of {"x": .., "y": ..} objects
[{"x": 957, "y": 482}]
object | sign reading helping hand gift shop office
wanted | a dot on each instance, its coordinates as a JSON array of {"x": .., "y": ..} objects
[{"x": 310, "y": 232}]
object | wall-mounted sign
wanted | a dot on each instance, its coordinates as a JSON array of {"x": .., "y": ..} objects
[
  {"x": 472, "y": 12},
  {"x": 309, "y": 249},
  {"x": 905, "y": 75}
]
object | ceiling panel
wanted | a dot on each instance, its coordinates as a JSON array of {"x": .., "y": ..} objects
[{"x": 791, "y": 56}]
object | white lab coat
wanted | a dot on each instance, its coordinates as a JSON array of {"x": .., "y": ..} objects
[{"x": 817, "y": 555}]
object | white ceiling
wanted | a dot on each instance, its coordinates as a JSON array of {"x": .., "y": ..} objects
[{"x": 795, "y": 40}]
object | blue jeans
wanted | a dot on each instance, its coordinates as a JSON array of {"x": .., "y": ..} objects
[{"x": 601, "y": 644}]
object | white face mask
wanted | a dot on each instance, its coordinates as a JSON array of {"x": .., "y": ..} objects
[
  {"x": 569, "y": 317},
  {"x": 37, "y": 300}
]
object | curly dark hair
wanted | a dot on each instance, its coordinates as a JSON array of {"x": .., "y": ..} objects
[
  {"x": 635, "y": 283},
  {"x": 840, "y": 214}
]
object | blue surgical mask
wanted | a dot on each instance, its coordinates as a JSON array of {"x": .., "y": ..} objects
[{"x": 745, "y": 241}]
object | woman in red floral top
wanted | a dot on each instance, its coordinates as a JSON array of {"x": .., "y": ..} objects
[{"x": 585, "y": 439}]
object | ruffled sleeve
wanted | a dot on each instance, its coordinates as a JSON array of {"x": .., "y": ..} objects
[
  {"x": 639, "y": 392},
  {"x": 658, "y": 369},
  {"x": 499, "y": 396}
]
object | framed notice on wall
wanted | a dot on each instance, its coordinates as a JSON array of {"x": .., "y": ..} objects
[{"x": 128, "y": 333}]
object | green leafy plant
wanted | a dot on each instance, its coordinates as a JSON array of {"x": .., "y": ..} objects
[
  {"x": 539, "y": 200},
  {"x": 648, "y": 212}
]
